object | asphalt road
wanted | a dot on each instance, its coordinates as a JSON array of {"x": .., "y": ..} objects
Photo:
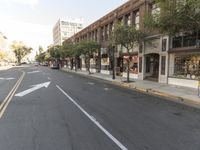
[{"x": 79, "y": 113}]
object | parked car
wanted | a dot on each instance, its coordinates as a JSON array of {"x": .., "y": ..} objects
[
  {"x": 36, "y": 63},
  {"x": 55, "y": 65}
]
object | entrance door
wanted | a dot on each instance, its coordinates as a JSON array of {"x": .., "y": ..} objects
[
  {"x": 152, "y": 67},
  {"x": 155, "y": 65}
]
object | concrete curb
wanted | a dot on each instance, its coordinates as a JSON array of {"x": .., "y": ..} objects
[
  {"x": 5, "y": 68},
  {"x": 183, "y": 100}
]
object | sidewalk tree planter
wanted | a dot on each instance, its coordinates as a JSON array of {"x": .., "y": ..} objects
[{"x": 127, "y": 37}]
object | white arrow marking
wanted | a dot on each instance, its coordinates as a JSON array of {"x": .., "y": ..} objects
[
  {"x": 35, "y": 87},
  {"x": 33, "y": 72},
  {"x": 7, "y": 78}
]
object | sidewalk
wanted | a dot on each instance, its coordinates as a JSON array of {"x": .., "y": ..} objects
[
  {"x": 5, "y": 67},
  {"x": 179, "y": 94}
]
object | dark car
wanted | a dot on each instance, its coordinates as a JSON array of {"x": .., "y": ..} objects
[{"x": 55, "y": 66}]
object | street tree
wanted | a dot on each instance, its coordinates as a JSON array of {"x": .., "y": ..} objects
[
  {"x": 2, "y": 55},
  {"x": 40, "y": 49},
  {"x": 128, "y": 37},
  {"x": 20, "y": 50},
  {"x": 68, "y": 52},
  {"x": 55, "y": 52},
  {"x": 175, "y": 17},
  {"x": 89, "y": 48},
  {"x": 77, "y": 51}
]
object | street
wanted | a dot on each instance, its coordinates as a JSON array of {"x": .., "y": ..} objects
[{"x": 57, "y": 110}]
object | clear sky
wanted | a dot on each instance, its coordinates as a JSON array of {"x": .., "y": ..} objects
[{"x": 31, "y": 21}]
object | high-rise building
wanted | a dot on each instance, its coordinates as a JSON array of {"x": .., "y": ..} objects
[{"x": 64, "y": 29}]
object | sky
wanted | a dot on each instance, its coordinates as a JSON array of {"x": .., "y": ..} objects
[{"x": 32, "y": 21}]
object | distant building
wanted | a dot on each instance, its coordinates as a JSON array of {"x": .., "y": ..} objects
[
  {"x": 64, "y": 29},
  {"x": 3, "y": 41}
]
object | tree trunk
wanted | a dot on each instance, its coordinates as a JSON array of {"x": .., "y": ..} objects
[
  {"x": 76, "y": 64},
  {"x": 71, "y": 63},
  {"x": 88, "y": 65},
  {"x": 128, "y": 68}
]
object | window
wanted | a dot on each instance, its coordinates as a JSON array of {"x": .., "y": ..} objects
[
  {"x": 128, "y": 20},
  {"x": 177, "y": 42},
  {"x": 137, "y": 19},
  {"x": 187, "y": 66},
  {"x": 163, "y": 63},
  {"x": 103, "y": 34},
  {"x": 185, "y": 40},
  {"x": 164, "y": 45}
]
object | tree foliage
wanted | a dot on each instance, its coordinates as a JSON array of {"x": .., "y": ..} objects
[
  {"x": 55, "y": 52},
  {"x": 2, "y": 55},
  {"x": 175, "y": 16},
  {"x": 20, "y": 50},
  {"x": 128, "y": 37}
]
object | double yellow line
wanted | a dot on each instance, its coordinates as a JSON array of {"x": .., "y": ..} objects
[{"x": 7, "y": 100}]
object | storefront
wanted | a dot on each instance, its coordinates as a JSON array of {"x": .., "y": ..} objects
[
  {"x": 133, "y": 66},
  {"x": 184, "y": 60},
  {"x": 105, "y": 62},
  {"x": 153, "y": 59},
  {"x": 184, "y": 69}
]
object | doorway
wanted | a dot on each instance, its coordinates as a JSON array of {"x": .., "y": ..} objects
[{"x": 152, "y": 67}]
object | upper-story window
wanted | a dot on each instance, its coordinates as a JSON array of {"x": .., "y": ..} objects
[
  {"x": 185, "y": 40},
  {"x": 102, "y": 33},
  {"x": 137, "y": 19},
  {"x": 128, "y": 20},
  {"x": 120, "y": 20}
]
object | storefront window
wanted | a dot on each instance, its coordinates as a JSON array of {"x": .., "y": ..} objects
[
  {"x": 133, "y": 64},
  {"x": 105, "y": 62},
  {"x": 187, "y": 66}
]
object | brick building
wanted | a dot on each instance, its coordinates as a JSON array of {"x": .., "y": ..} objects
[{"x": 157, "y": 57}]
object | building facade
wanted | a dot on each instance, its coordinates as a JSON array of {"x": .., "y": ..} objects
[
  {"x": 159, "y": 58},
  {"x": 3, "y": 41},
  {"x": 64, "y": 29}
]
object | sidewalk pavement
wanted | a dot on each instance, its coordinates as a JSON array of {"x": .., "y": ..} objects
[
  {"x": 179, "y": 94},
  {"x": 5, "y": 67}
]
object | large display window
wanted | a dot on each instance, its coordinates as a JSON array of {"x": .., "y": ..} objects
[
  {"x": 187, "y": 66},
  {"x": 133, "y": 64}
]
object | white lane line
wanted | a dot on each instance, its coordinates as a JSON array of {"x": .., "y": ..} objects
[
  {"x": 106, "y": 89},
  {"x": 33, "y": 72},
  {"x": 90, "y": 83},
  {"x": 119, "y": 144}
]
